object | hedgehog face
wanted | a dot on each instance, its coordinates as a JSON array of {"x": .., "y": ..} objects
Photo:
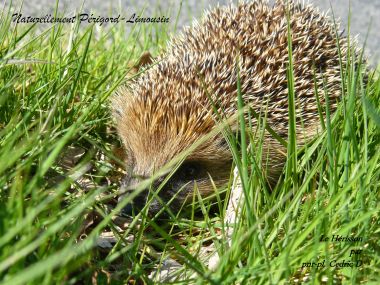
[{"x": 155, "y": 131}]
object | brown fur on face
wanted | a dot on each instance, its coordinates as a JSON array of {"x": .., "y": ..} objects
[{"x": 168, "y": 108}]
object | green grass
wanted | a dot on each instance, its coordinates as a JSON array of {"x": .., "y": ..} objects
[{"x": 59, "y": 176}]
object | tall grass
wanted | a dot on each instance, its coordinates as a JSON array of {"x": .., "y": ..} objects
[{"x": 60, "y": 172}]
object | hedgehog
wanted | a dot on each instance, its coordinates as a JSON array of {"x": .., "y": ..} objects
[{"x": 178, "y": 99}]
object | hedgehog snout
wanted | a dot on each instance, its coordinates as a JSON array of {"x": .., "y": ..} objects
[
  {"x": 125, "y": 191},
  {"x": 129, "y": 185},
  {"x": 133, "y": 206}
]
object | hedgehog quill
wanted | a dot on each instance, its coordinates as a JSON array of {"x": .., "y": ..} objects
[{"x": 167, "y": 108}]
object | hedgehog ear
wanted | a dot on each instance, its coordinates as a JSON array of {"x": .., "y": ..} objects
[{"x": 145, "y": 59}]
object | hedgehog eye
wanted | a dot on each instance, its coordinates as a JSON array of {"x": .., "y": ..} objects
[{"x": 189, "y": 170}]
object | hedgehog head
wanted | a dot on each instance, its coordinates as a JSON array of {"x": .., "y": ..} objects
[{"x": 157, "y": 127}]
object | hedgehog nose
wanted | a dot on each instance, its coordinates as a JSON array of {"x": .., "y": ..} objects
[
  {"x": 127, "y": 210},
  {"x": 135, "y": 206}
]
